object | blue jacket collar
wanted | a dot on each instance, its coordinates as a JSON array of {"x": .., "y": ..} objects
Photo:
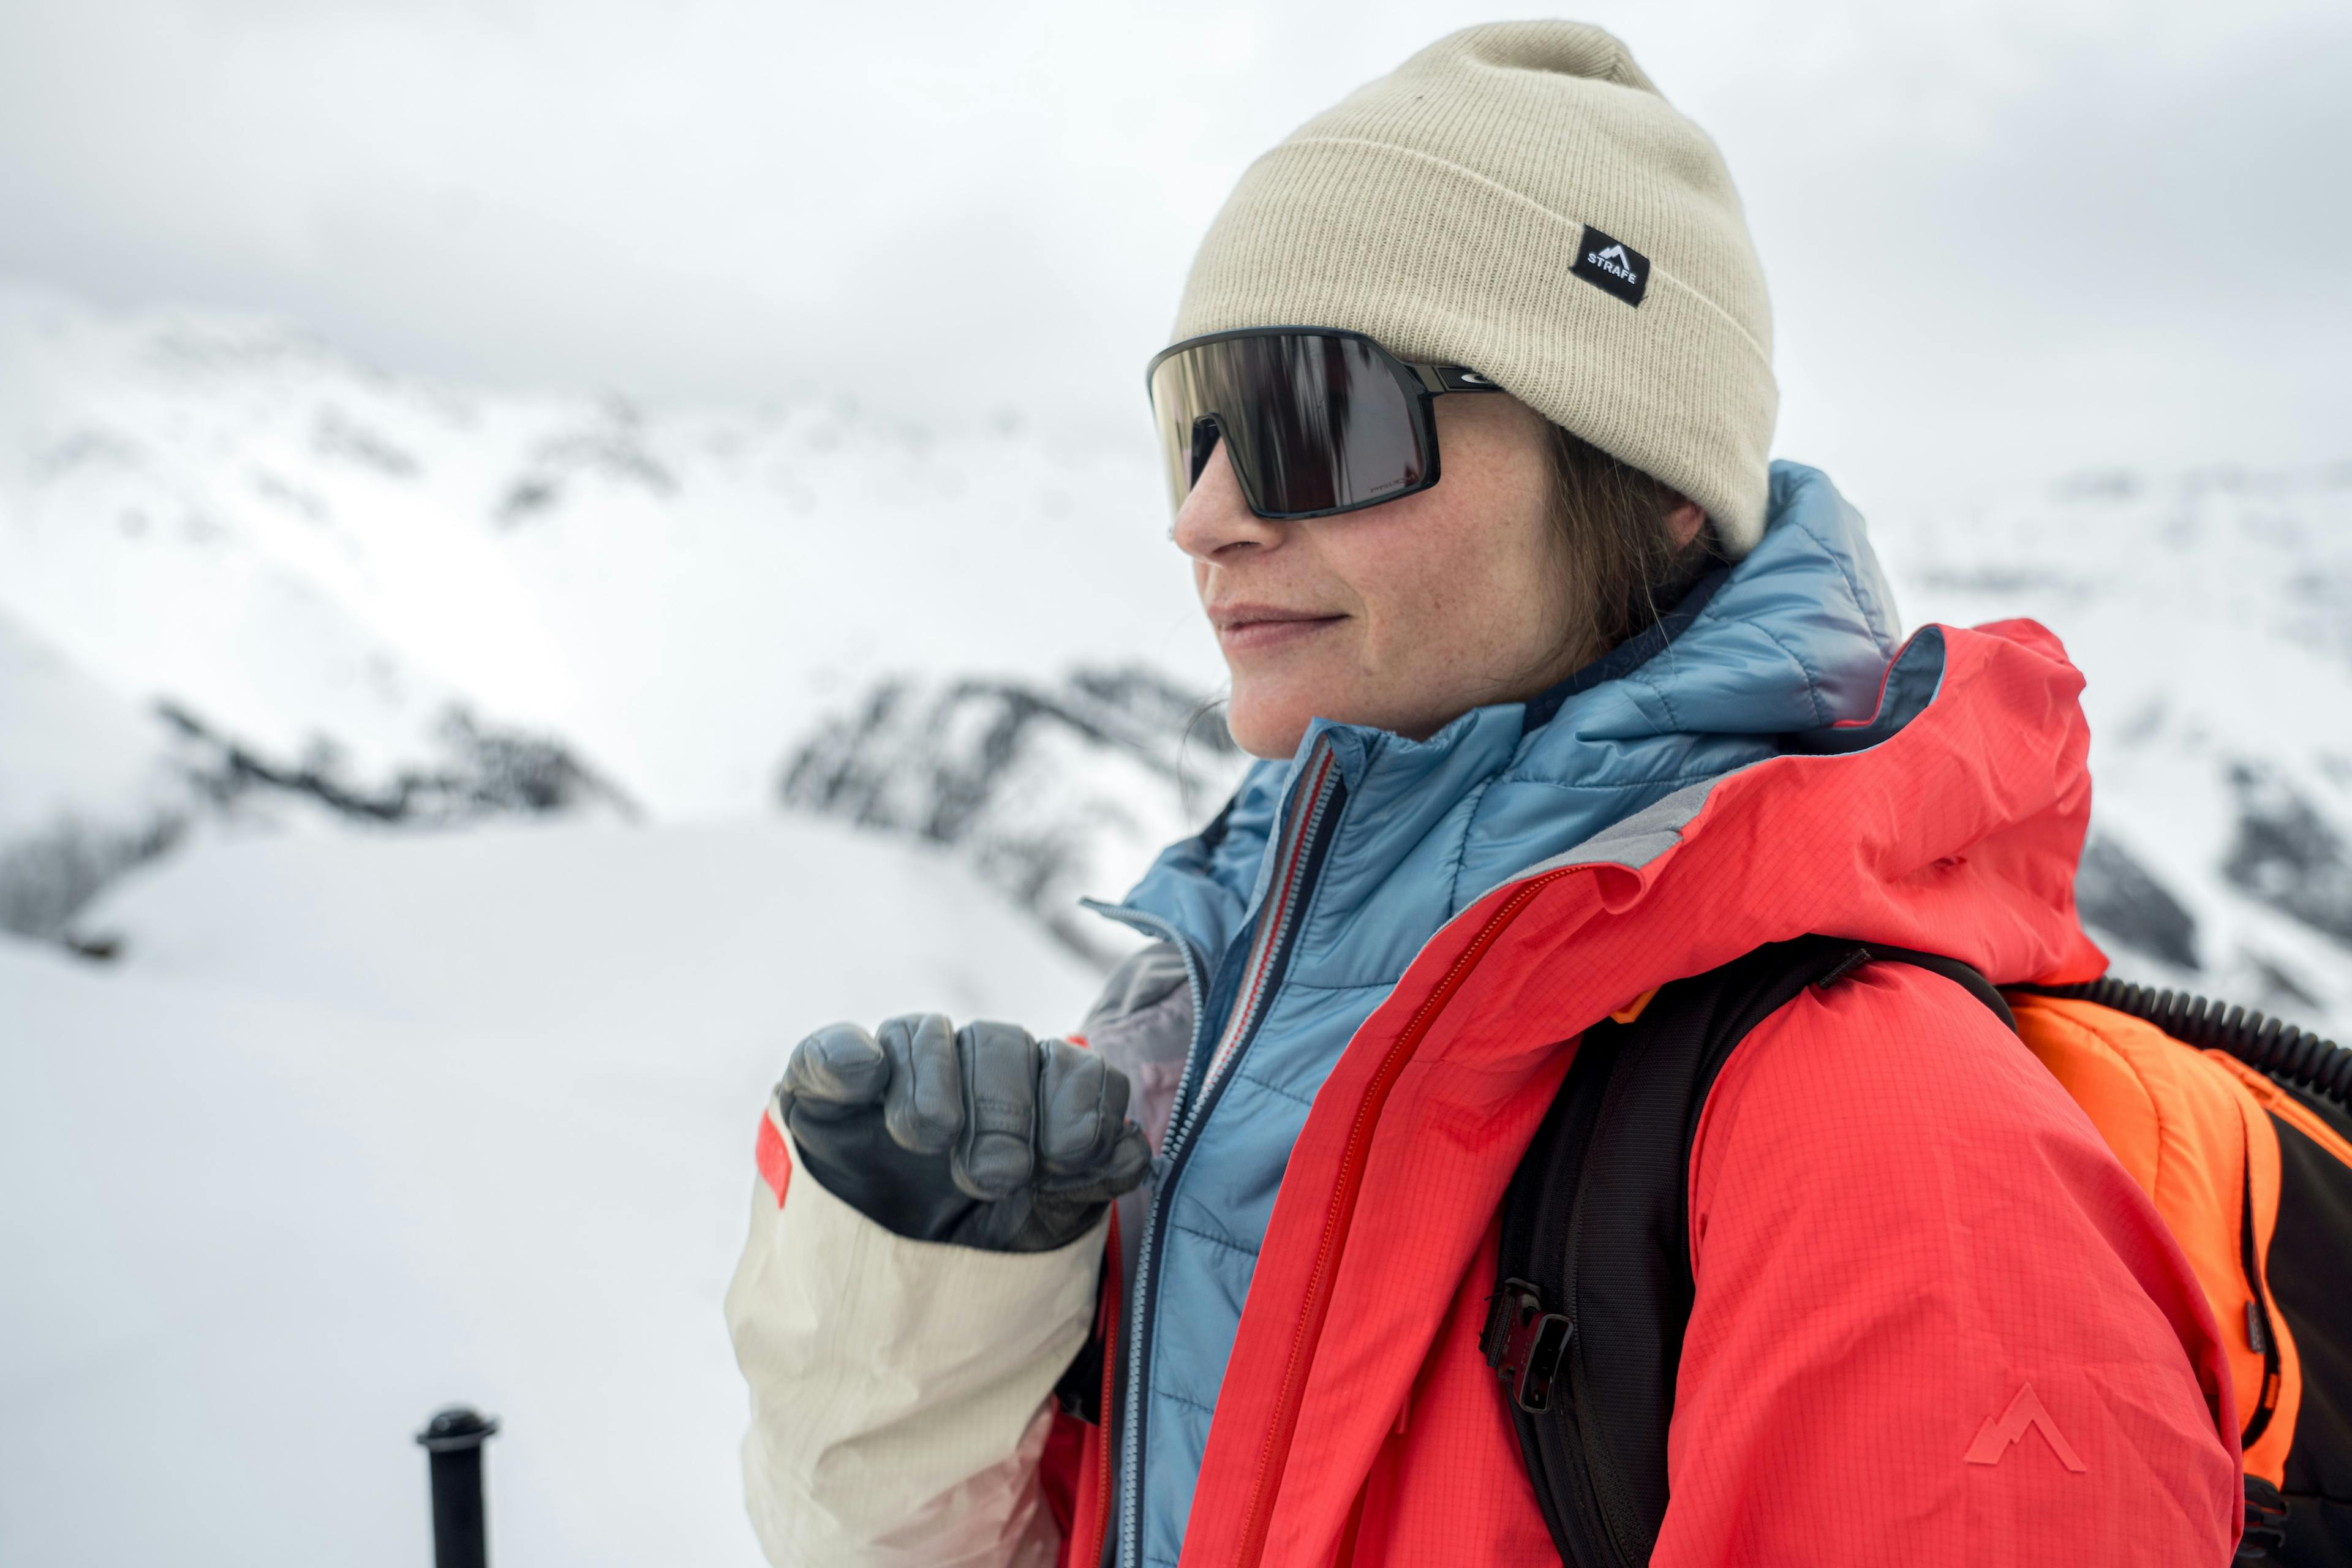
[{"x": 1794, "y": 638}]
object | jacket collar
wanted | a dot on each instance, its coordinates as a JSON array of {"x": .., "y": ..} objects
[{"x": 1792, "y": 638}]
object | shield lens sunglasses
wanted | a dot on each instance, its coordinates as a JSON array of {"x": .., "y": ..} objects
[{"x": 1316, "y": 422}]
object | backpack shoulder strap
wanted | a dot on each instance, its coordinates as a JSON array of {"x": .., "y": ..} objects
[{"x": 1594, "y": 1290}]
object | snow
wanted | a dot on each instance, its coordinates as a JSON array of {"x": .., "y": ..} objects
[
  {"x": 360, "y": 1125},
  {"x": 98, "y": 752}
]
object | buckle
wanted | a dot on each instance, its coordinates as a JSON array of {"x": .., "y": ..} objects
[
  {"x": 2266, "y": 1530},
  {"x": 1525, "y": 1344}
]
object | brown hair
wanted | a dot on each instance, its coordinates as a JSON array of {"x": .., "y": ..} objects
[{"x": 1623, "y": 566}]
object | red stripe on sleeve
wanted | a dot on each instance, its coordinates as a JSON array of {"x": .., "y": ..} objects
[{"x": 774, "y": 1157}]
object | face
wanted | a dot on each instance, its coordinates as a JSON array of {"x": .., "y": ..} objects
[{"x": 1404, "y": 615}]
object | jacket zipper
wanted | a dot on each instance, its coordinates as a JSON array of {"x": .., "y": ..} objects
[
  {"x": 1274, "y": 1452},
  {"x": 1295, "y": 873},
  {"x": 2260, "y": 1332},
  {"x": 1196, "y": 1095},
  {"x": 1113, "y": 1311},
  {"x": 1128, "y": 1440}
]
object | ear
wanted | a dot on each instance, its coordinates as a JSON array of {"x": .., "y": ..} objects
[{"x": 1684, "y": 521}]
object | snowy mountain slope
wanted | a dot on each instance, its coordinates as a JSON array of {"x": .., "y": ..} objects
[
  {"x": 362, "y": 1124},
  {"x": 87, "y": 787},
  {"x": 96, "y": 747},
  {"x": 1052, "y": 792},
  {"x": 92, "y": 785},
  {"x": 225, "y": 511}
]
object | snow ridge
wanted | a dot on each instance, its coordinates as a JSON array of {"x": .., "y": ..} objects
[{"x": 1053, "y": 792}]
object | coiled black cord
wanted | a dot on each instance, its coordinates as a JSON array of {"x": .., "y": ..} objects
[{"x": 2269, "y": 1045}]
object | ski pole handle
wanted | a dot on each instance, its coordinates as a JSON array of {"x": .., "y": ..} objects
[{"x": 454, "y": 1439}]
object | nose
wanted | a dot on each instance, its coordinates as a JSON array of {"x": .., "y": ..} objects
[{"x": 1215, "y": 523}]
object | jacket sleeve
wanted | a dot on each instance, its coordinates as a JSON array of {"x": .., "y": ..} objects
[
  {"x": 900, "y": 1389},
  {"x": 1936, "y": 1322}
]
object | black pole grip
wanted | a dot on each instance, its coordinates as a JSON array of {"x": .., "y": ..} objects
[{"x": 454, "y": 1439}]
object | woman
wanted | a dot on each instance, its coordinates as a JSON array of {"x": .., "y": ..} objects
[{"x": 1471, "y": 385}]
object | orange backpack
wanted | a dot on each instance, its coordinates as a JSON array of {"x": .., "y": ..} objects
[{"x": 2235, "y": 1126}]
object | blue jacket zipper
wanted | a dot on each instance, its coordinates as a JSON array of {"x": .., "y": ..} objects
[{"x": 1190, "y": 1117}]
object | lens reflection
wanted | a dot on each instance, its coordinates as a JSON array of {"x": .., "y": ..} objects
[{"x": 1311, "y": 421}]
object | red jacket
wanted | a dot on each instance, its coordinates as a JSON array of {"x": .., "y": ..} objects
[{"x": 1936, "y": 1321}]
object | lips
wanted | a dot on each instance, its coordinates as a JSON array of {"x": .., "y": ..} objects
[{"x": 1253, "y": 627}]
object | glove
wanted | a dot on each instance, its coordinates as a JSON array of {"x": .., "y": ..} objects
[{"x": 980, "y": 1136}]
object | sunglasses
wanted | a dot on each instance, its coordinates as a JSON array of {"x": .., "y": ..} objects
[{"x": 1316, "y": 422}]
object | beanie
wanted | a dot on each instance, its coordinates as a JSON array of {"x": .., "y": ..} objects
[{"x": 1519, "y": 200}]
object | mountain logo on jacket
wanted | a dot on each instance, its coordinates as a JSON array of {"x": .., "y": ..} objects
[
  {"x": 1611, "y": 265},
  {"x": 1995, "y": 1438}
]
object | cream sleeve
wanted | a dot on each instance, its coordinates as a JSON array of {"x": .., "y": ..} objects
[{"x": 900, "y": 1389}]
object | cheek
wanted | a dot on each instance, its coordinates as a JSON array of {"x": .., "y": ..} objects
[{"x": 1450, "y": 584}]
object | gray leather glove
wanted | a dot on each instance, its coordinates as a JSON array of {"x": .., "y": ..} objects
[{"x": 980, "y": 1136}]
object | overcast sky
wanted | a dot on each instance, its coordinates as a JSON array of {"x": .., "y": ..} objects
[{"x": 2005, "y": 239}]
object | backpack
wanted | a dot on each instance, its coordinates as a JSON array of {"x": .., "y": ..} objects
[{"x": 1594, "y": 1287}]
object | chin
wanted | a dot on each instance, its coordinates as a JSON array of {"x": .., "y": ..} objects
[{"x": 1267, "y": 730}]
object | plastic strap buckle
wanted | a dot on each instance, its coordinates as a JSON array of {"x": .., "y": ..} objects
[
  {"x": 2265, "y": 1530},
  {"x": 1525, "y": 1344}
]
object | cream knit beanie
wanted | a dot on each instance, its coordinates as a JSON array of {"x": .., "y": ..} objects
[{"x": 1519, "y": 199}]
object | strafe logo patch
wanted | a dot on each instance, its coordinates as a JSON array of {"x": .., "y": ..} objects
[{"x": 1612, "y": 265}]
